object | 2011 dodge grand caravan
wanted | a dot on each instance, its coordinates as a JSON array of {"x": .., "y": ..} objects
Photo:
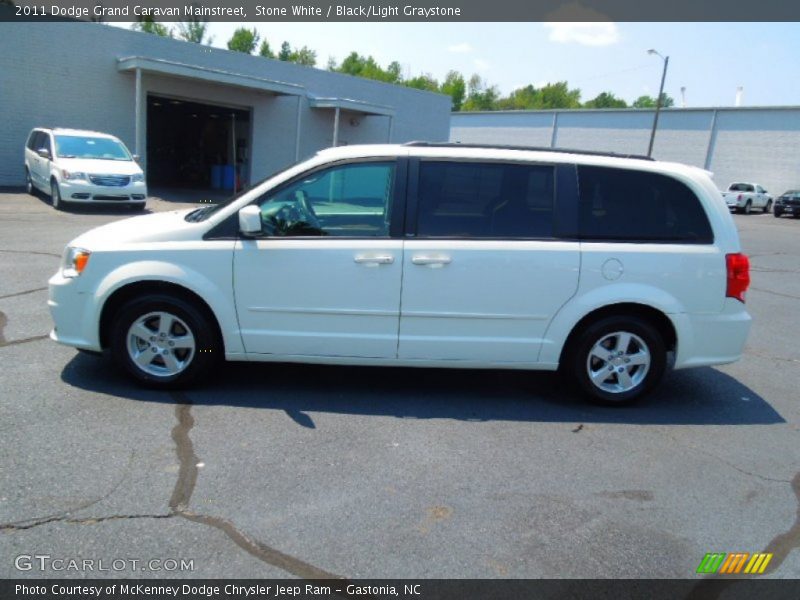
[{"x": 432, "y": 255}]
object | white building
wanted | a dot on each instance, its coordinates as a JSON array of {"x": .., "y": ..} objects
[
  {"x": 185, "y": 108},
  {"x": 759, "y": 144}
]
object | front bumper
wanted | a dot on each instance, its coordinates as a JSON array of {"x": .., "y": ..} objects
[
  {"x": 72, "y": 311},
  {"x": 787, "y": 209},
  {"x": 89, "y": 193}
]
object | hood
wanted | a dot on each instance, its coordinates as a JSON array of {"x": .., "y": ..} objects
[
  {"x": 100, "y": 167},
  {"x": 159, "y": 227}
]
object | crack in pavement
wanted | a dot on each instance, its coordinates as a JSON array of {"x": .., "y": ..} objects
[
  {"x": 179, "y": 504},
  {"x": 780, "y": 546},
  {"x": 793, "y": 297},
  {"x": 725, "y": 462},
  {"x": 41, "y": 289},
  {"x": 81, "y": 521},
  {"x": 31, "y": 252},
  {"x": 184, "y": 487},
  {"x": 4, "y": 343},
  {"x": 61, "y": 516}
]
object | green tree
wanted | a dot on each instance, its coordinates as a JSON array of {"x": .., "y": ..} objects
[
  {"x": 423, "y": 82},
  {"x": 244, "y": 40},
  {"x": 558, "y": 95},
  {"x": 265, "y": 50},
  {"x": 480, "y": 95},
  {"x": 550, "y": 96},
  {"x": 605, "y": 100},
  {"x": 194, "y": 29},
  {"x": 150, "y": 25},
  {"x": 286, "y": 52},
  {"x": 365, "y": 66},
  {"x": 395, "y": 71},
  {"x": 650, "y": 102},
  {"x": 455, "y": 87},
  {"x": 303, "y": 56}
]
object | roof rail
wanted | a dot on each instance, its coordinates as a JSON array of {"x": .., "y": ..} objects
[{"x": 420, "y": 144}]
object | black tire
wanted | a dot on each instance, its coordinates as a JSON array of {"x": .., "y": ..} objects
[
  {"x": 768, "y": 206},
  {"x": 643, "y": 378},
  {"x": 207, "y": 347},
  {"x": 137, "y": 206},
  {"x": 777, "y": 214},
  {"x": 55, "y": 195},
  {"x": 29, "y": 188},
  {"x": 747, "y": 207}
]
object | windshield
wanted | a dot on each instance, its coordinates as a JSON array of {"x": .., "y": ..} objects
[
  {"x": 201, "y": 214},
  {"x": 73, "y": 146}
]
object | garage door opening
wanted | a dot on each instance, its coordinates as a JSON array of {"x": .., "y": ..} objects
[{"x": 196, "y": 146}]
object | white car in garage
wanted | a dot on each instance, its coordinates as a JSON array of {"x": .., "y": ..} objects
[
  {"x": 77, "y": 166},
  {"x": 423, "y": 255}
]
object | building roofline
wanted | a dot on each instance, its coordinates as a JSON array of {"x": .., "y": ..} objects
[
  {"x": 550, "y": 111},
  {"x": 367, "y": 108},
  {"x": 161, "y": 66}
]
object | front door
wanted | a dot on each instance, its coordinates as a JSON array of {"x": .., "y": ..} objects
[{"x": 324, "y": 278}]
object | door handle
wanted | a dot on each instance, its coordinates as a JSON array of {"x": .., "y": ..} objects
[
  {"x": 433, "y": 261},
  {"x": 374, "y": 259}
]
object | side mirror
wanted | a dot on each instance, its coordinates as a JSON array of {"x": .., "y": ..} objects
[
  {"x": 136, "y": 157},
  {"x": 44, "y": 153},
  {"x": 250, "y": 221}
]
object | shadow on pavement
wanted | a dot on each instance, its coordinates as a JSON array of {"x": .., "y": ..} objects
[{"x": 703, "y": 396}]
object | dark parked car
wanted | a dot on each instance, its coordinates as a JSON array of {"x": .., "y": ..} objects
[{"x": 788, "y": 203}]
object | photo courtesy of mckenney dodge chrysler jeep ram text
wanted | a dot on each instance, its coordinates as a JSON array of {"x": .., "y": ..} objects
[{"x": 609, "y": 268}]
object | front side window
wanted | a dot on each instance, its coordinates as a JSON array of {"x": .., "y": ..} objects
[
  {"x": 626, "y": 205},
  {"x": 485, "y": 200},
  {"x": 73, "y": 146},
  {"x": 353, "y": 200}
]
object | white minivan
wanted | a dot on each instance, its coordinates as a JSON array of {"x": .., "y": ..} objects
[
  {"x": 88, "y": 167},
  {"x": 611, "y": 269}
]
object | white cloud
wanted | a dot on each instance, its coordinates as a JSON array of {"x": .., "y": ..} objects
[
  {"x": 587, "y": 34},
  {"x": 481, "y": 64},
  {"x": 462, "y": 48}
]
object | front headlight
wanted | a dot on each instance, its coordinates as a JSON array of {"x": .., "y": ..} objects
[
  {"x": 73, "y": 175},
  {"x": 136, "y": 177},
  {"x": 75, "y": 261}
]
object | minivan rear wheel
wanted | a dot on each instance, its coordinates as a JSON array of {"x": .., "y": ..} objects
[
  {"x": 164, "y": 341},
  {"x": 617, "y": 360}
]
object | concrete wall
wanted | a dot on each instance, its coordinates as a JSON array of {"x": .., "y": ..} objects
[
  {"x": 65, "y": 75},
  {"x": 749, "y": 144}
]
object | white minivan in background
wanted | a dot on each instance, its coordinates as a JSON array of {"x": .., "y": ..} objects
[
  {"x": 610, "y": 269},
  {"x": 73, "y": 165}
]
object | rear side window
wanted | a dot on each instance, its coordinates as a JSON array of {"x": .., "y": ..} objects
[
  {"x": 635, "y": 206},
  {"x": 485, "y": 200}
]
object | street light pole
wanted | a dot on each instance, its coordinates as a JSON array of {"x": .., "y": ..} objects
[{"x": 658, "y": 100}]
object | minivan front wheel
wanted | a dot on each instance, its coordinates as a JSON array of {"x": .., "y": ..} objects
[
  {"x": 618, "y": 359},
  {"x": 55, "y": 195},
  {"x": 163, "y": 341},
  {"x": 29, "y": 183}
]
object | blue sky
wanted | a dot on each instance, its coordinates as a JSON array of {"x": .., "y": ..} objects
[{"x": 709, "y": 59}]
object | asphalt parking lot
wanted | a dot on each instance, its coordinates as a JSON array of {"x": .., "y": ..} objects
[{"x": 311, "y": 471}]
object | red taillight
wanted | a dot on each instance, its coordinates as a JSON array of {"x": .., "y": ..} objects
[{"x": 738, "y": 275}]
